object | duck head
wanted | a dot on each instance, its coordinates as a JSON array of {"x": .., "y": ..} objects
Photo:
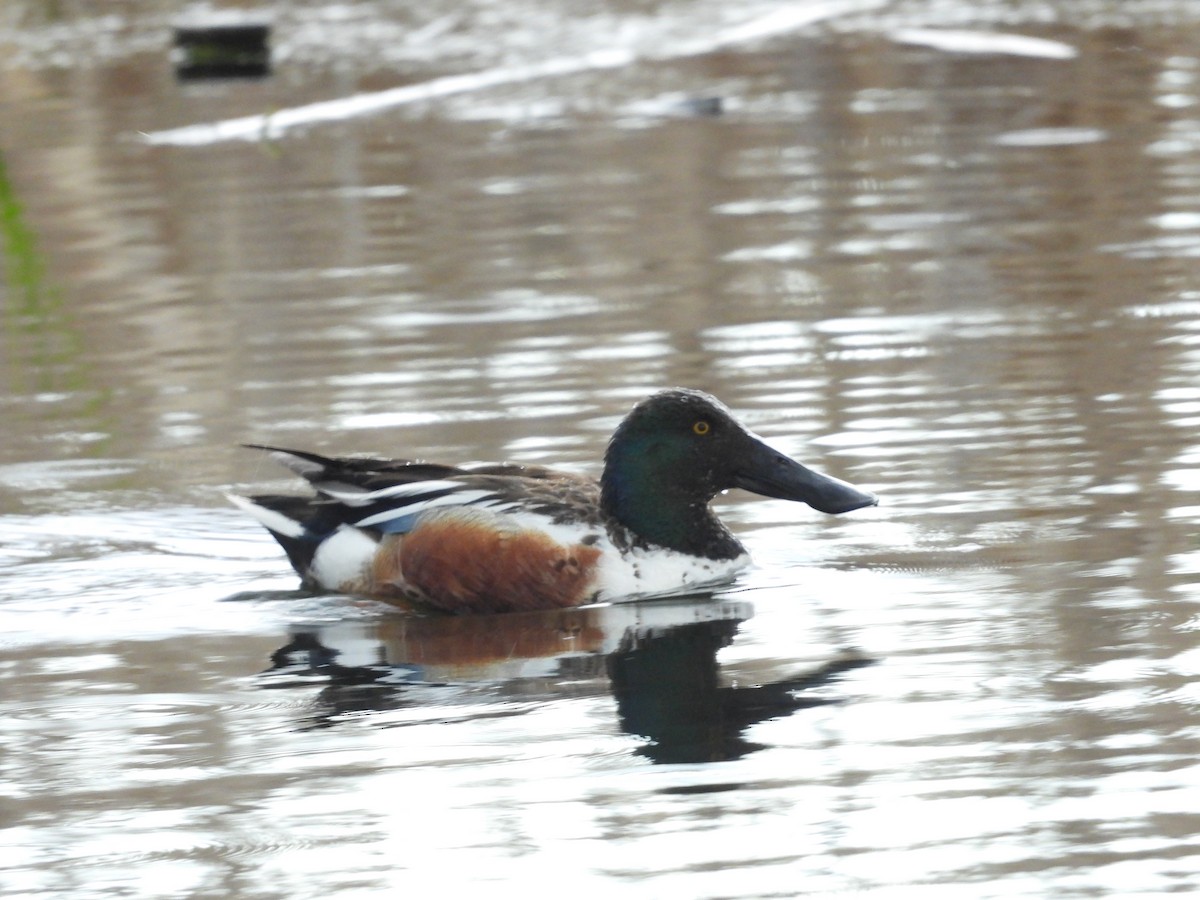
[{"x": 679, "y": 448}]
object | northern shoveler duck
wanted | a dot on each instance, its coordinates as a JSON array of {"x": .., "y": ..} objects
[{"x": 495, "y": 538}]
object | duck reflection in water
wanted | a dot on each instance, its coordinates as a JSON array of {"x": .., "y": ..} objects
[
  {"x": 657, "y": 658},
  {"x": 667, "y": 686}
]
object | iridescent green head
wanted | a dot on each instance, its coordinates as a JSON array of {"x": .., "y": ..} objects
[{"x": 678, "y": 449}]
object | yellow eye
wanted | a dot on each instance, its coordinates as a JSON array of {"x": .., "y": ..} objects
[{"x": 701, "y": 427}]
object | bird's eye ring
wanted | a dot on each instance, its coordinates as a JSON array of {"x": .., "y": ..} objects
[{"x": 701, "y": 427}]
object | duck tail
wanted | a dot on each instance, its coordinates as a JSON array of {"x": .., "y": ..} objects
[
  {"x": 309, "y": 466},
  {"x": 295, "y": 522}
]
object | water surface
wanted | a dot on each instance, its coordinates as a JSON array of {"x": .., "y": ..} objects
[{"x": 945, "y": 251}]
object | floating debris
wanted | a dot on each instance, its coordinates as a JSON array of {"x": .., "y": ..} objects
[{"x": 205, "y": 52}]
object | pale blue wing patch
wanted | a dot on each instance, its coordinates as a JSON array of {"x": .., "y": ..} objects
[{"x": 402, "y": 519}]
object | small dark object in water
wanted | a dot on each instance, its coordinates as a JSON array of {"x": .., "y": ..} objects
[
  {"x": 704, "y": 106},
  {"x": 222, "y": 51}
]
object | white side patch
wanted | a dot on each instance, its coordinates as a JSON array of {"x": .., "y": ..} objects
[
  {"x": 342, "y": 558},
  {"x": 271, "y": 520}
]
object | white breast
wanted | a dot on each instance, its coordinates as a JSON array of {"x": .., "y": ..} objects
[{"x": 640, "y": 573}]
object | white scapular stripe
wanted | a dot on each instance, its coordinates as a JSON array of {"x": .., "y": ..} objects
[
  {"x": 416, "y": 488},
  {"x": 457, "y": 498}
]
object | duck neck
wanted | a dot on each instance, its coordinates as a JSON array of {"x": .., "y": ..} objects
[{"x": 658, "y": 512}]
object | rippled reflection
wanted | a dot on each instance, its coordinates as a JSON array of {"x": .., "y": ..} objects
[
  {"x": 658, "y": 659},
  {"x": 946, "y": 251}
]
